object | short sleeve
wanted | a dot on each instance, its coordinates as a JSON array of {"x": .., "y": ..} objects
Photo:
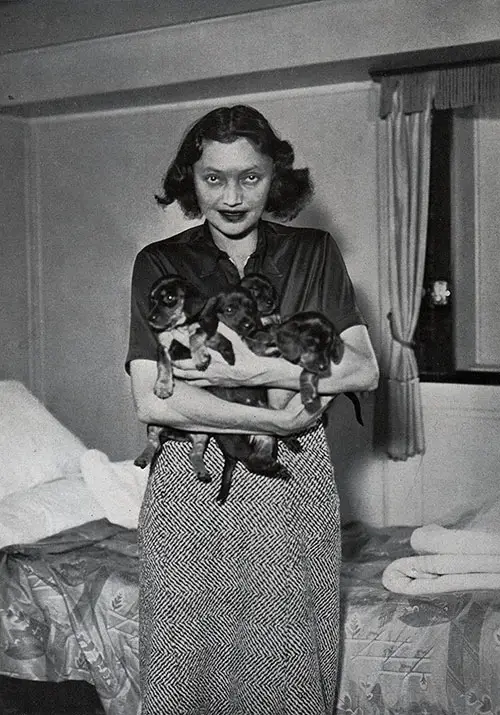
[
  {"x": 142, "y": 341},
  {"x": 319, "y": 280}
]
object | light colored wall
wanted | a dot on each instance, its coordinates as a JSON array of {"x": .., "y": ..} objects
[
  {"x": 95, "y": 208},
  {"x": 459, "y": 470}
]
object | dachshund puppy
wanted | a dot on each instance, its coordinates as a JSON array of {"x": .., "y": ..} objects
[
  {"x": 310, "y": 340},
  {"x": 174, "y": 305},
  {"x": 238, "y": 309},
  {"x": 265, "y": 295}
]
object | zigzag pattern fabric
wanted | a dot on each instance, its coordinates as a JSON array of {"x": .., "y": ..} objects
[{"x": 239, "y": 606}]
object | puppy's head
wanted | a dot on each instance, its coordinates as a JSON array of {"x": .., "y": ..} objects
[
  {"x": 262, "y": 291},
  {"x": 310, "y": 340},
  {"x": 238, "y": 310},
  {"x": 171, "y": 302}
]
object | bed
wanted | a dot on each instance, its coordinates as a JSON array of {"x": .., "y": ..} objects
[{"x": 69, "y": 608}]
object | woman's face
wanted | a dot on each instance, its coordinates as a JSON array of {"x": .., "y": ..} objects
[{"x": 232, "y": 183}]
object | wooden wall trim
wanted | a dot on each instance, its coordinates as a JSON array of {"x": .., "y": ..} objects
[{"x": 34, "y": 265}]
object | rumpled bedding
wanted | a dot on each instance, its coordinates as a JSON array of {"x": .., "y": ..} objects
[
  {"x": 462, "y": 557},
  {"x": 69, "y": 611},
  {"x": 118, "y": 487}
]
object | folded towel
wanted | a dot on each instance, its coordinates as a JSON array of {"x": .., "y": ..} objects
[
  {"x": 118, "y": 487},
  {"x": 435, "y": 539},
  {"x": 441, "y": 573}
]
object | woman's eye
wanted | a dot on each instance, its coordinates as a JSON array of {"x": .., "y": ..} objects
[
  {"x": 212, "y": 179},
  {"x": 251, "y": 179}
]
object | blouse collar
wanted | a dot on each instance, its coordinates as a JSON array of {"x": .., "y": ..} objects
[{"x": 212, "y": 254}]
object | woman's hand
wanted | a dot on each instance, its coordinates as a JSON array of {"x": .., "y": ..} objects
[
  {"x": 295, "y": 417},
  {"x": 249, "y": 370}
]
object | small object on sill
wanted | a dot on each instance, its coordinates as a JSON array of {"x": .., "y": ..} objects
[{"x": 439, "y": 293}]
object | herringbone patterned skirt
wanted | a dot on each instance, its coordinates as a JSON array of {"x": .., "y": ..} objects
[{"x": 239, "y": 603}]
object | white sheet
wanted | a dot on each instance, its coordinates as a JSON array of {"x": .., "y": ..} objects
[
  {"x": 118, "y": 487},
  {"x": 46, "y": 509},
  {"x": 34, "y": 446}
]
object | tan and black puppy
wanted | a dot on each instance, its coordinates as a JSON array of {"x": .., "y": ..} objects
[
  {"x": 265, "y": 296},
  {"x": 308, "y": 339},
  {"x": 238, "y": 309},
  {"x": 174, "y": 306}
]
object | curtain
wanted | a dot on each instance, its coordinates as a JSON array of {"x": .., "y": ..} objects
[
  {"x": 409, "y": 144},
  {"x": 451, "y": 87},
  {"x": 406, "y": 103}
]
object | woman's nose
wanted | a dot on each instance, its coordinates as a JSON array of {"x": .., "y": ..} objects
[{"x": 232, "y": 193}]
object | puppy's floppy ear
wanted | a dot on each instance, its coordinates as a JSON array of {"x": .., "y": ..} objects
[
  {"x": 193, "y": 301},
  {"x": 209, "y": 318},
  {"x": 337, "y": 348},
  {"x": 289, "y": 343}
]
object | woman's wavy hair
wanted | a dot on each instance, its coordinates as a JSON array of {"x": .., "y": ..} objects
[{"x": 290, "y": 188}]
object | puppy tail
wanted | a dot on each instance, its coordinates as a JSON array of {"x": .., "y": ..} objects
[{"x": 357, "y": 406}]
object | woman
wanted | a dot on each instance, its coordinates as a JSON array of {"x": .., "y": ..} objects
[{"x": 239, "y": 603}]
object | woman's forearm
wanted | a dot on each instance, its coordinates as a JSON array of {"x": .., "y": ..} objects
[
  {"x": 356, "y": 375},
  {"x": 194, "y": 409},
  {"x": 357, "y": 371}
]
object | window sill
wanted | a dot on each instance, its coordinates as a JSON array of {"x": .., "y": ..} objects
[{"x": 463, "y": 377}]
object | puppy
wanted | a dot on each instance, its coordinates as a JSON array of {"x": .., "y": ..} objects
[
  {"x": 310, "y": 340},
  {"x": 238, "y": 309},
  {"x": 265, "y": 295},
  {"x": 174, "y": 305}
]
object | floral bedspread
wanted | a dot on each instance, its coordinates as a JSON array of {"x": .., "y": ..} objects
[
  {"x": 433, "y": 655},
  {"x": 69, "y": 610}
]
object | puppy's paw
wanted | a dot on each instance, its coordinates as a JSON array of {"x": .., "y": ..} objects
[
  {"x": 163, "y": 390},
  {"x": 141, "y": 461},
  {"x": 308, "y": 394},
  {"x": 278, "y": 471},
  {"x": 200, "y": 469},
  {"x": 312, "y": 405},
  {"x": 293, "y": 444},
  {"x": 202, "y": 360}
]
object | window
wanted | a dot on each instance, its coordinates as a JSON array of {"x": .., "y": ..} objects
[{"x": 456, "y": 339}]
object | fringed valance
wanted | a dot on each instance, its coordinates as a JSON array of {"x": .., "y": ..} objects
[{"x": 449, "y": 88}]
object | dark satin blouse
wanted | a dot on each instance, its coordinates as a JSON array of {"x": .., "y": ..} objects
[{"x": 304, "y": 265}]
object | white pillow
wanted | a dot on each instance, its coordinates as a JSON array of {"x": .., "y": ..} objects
[
  {"x": 34, "y": 446},
  {"x": 45, "y": 510},
  {"x": 118, "y": 487}
]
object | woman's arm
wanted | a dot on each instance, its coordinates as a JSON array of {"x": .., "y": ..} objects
[
  {"x": 356, "y": 372},
  {"x": 194, "y": 409}
]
